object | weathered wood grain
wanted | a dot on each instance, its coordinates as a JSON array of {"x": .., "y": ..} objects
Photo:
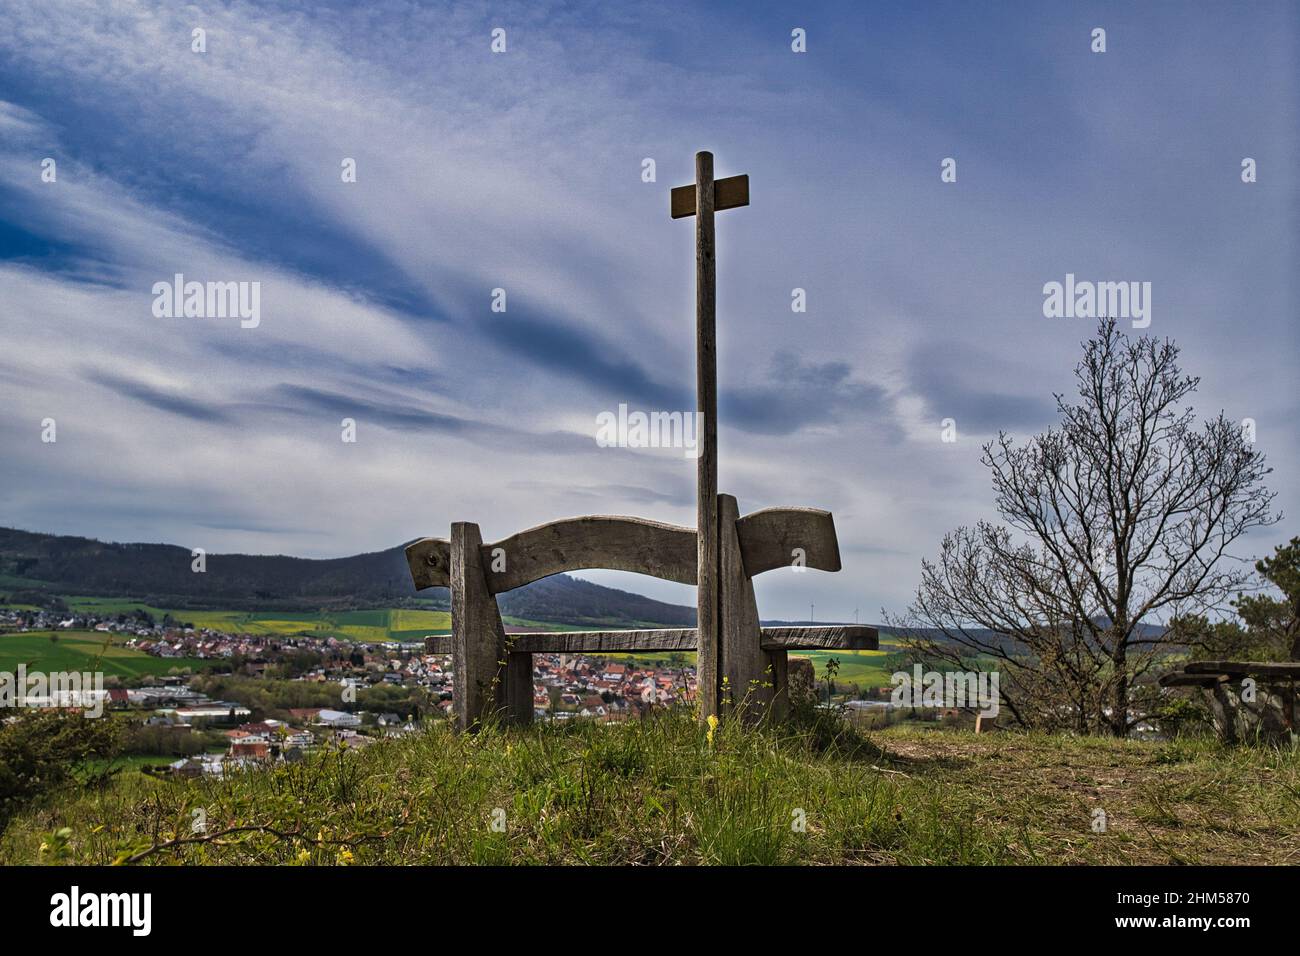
[
  {"x": 1193, "y": 680},
  {"x": 430, "y": 562},
  {"x": 708, "y": 663},
  {"x": 606, "y": 642},
  {"x": 769, "y": 539},
  {"x": 831, "y": 637},
  {"x": 1276, "y": 669},
  {"x": 820, "y": 637},
  {"x": 478, "y": 638},
  {"x": 619, "y": 543},
  {"x": 518, "y": 685},
  {"x": 727, "y": 194},
  {"x": 747, "y": 688},
  {"x": 610, "y": 542}
]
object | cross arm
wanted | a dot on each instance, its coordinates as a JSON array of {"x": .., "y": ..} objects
[{"x": 727, "y": 194}]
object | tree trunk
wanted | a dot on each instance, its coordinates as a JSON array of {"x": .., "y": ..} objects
[{"x": 1119, "y": 704}]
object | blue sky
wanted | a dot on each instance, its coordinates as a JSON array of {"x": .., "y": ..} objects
[{"x": 522, "y": 171}]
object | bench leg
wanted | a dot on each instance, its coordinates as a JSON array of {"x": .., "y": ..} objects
[
  {"x": 519, "y": 687},
  {"x": 478, "y": 637},
  {"x": 743, "y": 664},
  {"x": 778, "y": 663}
]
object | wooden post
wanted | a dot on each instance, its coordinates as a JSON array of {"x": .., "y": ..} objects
[
  {"x": 700, "y": 201},
  {"x": 748, "y": 688},
  {"x": 519, "y": 687},
  {"x": 708, "y": 656},
  {"x": 778, "y": 663},
  {"x": 478, "y": 637}
]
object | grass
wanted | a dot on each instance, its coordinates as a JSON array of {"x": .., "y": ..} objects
[
  {"x": 864, "y": 668},
  {"x": 84, "y": 651},
  {"x": 658, "y": 792}
]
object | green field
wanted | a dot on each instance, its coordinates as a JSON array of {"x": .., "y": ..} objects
[
  {"x": 398, "y": 624},
  {"x": 367, "y": 626},
  {"x": 83, "y": 651},
  {"x": 864, "y": 668}
]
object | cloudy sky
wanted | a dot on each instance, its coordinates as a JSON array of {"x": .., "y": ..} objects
[{"x": 522, "y": 171}]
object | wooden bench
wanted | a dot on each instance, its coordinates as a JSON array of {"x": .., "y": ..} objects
[
  {"x": 739, "y": 665},
  {"x": 1213, "y": 677},
  {"x": 493, "y": 670}
]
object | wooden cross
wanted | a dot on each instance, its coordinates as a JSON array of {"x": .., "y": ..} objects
[
  {"x": 701, "y": 200},
  {"x": 721, "y": 555}
]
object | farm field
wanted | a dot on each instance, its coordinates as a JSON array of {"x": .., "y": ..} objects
[
  {"x": 382, "y": 624},
  {"x": 367, "y": 626},
  {"x": 83, "y": 651},
  {"x": 865, "y": 668}
]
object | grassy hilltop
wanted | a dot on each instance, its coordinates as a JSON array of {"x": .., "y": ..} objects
[{"x": 659, "y": 792}]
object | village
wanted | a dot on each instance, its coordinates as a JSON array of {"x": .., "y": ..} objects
[{"x": 375, "y": 690}]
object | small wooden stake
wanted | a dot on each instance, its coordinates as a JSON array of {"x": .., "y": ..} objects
[{"x": 779, "y": 664}]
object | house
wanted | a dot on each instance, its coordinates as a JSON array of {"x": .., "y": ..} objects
[
  {"x": 263, "y": 728},
  {"x": 253, "y": 747},
  {"x": 338, "y": 718},
  {"x": 211, "y": 764},
  {"x": 216, "y": 710}
]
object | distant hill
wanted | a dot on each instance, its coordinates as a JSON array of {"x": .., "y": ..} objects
[{"x": 160, "y": 575}]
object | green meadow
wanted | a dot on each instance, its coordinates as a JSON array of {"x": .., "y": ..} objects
[
  {"x": 864, "y": 668},
  {"x": 368, "y": 626},
  {"x": 83, "y": 651},
  {"x": 365, "y": 626}
]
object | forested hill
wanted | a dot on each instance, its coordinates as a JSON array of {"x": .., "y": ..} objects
[{"x": 160, "y": 574}]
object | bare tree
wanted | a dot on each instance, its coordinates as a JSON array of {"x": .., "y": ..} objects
[{"x": 1118, "y": 518}]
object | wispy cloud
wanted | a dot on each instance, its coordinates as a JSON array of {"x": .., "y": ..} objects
[{"x": 522, "y": 172}]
